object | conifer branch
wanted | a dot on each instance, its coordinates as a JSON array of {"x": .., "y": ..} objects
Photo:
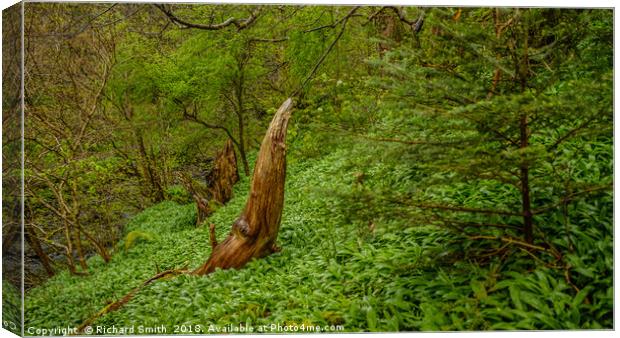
[
  {"x": 571, "y": 133},
  {"x": 457, "y": 208},
  {"x": 570, "y": 197},
  {"x": 511, "y": 240},
  {"x": 478, "y": 225}
]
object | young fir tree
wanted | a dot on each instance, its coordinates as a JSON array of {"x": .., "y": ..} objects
[{"x": 505, "y": 111}]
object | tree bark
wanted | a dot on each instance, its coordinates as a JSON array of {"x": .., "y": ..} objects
[
  {"x": 221, "y": 182},
  {"x": 254, "y": 233},
  {"x": 200, "y": 196},
  {"x": 149, "y": 172},
  {"x": 242, "y": 153},
  {"x": 225, "y": 174},
  {"x": 528, "y": 219},
  {"x": 69, "y": 249},
  {"x": 35, "y": 244},
  {"x": 80, "y": 251}
]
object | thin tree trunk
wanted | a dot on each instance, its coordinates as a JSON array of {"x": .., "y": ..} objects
[
  {"x": 35, "y": 244},
  {"x": 220, "y": 189},
  {"x": 156, "y": 191},
  {"x": 528, "y": 222},
  {"x": 240, "y": 112},
  {"x": 69, "y": 253},
  {"x": 242, "y": 154},
  {"x": 200, "y": 197},
  {"x": 254, "y": 233},
  {"x": 80, "y": 251},
  {"x": 103, "y": 252},
  {"x": 74, "y": 214}
]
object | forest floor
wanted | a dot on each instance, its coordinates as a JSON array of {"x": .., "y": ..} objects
[{"x": 331, "y": 273}]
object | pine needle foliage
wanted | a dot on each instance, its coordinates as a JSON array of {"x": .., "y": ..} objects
[{"x": 504, "y": 100}]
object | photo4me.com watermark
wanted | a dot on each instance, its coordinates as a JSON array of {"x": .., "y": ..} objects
[{"x": 182, "y": 329}]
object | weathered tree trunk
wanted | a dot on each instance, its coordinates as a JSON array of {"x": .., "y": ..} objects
[
  {"x": 222, "y": 180},
  {"x": 225, "y": 174},
  {"x": 391, "y": 30},
  {"x": 254, "y": 233}
]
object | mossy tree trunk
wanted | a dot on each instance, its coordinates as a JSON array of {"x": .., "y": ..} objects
[{"x": 254, "y": 233}]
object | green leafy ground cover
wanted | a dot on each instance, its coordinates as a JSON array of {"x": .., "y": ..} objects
[
  {"x": 458, "y": 125},
  {"x": 332, "y": 271},
  {"x": 11, "y": 316}
]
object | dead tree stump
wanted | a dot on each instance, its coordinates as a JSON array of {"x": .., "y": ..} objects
[
  {"x": 220, "y": 190},
  {"x": 254, "y": 233},
  {"x": 224, "y": 174}
]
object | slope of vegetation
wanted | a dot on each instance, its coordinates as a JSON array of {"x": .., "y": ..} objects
[
  {"x": 11, "y": 315},
  {"x": 448, "y": 168},
  {"x": 331, "y": 272}
]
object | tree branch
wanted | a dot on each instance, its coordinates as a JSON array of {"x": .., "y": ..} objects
[
  {"x": 569, "y": 198},
  {"x": 511, "y": 240},
  {"x": 466, "y": 209},
  {"x": 329, "y": 49},
  {"x": 334, "y": 24},
  {"x": 456, "y": 208},
  {"x": 239, "y": 23},
  {"x": 269, "y": 40},
  {"x": 571, "y": 133},
  {"x": 479, "y": 225},
  {"x": 193, "y": 118},
  {"x": 411, "y": 142},
  {"x": 416, "y": 25}
]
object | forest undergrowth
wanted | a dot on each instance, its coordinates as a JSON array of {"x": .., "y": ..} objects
[
  {"x": 449, "y": 169},
  {"x": 332, "y": 272}
]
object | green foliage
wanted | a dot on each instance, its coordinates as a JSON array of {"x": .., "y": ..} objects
[
  {"x": 393, "y": 151},
  {"x": 11, "y": 308},
  {"x": 178, "y": 193},
  {"x": 481, "y": 121},
  {"x": 331, "y": 271},
  {"x": 70, "y": 299}
]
